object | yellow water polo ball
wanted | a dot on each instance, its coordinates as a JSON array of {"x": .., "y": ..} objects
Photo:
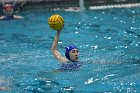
[{"x": 56, "y": 22}]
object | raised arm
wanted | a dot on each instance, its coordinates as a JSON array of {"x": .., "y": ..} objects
[{"x": 54, "y": 50}]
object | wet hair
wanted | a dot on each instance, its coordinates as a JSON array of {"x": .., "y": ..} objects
[{"x": 68, "y": 49}]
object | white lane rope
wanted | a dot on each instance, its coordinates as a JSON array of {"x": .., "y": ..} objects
[{"x": 114, "y": 6}]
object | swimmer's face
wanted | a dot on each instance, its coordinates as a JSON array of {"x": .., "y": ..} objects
[
  {"x": 8, "y": 11},
  {"x": 74, "y": 54}
]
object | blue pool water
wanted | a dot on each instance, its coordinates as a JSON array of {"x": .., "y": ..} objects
[{"x": 109, "y": 45}]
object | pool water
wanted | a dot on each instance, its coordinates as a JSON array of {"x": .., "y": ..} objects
[{"x": 108, "y": 42}]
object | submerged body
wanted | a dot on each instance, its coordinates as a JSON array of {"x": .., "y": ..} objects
[{"x": 71, "y": 66}]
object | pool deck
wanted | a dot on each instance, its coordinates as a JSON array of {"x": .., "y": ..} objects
[
  {"x": 89, "y": 1},
  {"x": 33, "y": 1},
  {"x": 71, "y": 5}
]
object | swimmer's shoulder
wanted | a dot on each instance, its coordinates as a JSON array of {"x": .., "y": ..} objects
[
  {"x": 18, "y": 17},
  {"x": 14, "y": 17},
  {"x": 2, "y": 17}
]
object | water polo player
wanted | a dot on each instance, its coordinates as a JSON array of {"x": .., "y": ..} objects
[
  {"x": 70, "y": 61},
  {"x": 8, "y": 11}
]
